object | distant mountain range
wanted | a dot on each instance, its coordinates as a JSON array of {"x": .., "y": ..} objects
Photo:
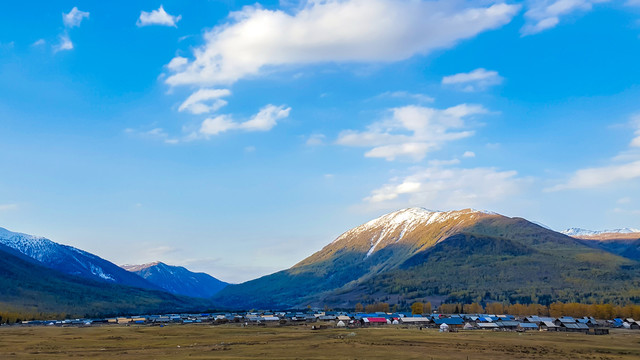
[
  {"x": 625, "y": 244},
  {"x": 404, "y": 256},
  {"x": 178, "y": 280},
  {"x": 71, "y": 261},
  {"x": 584, "y": 232},
  {"x": 30, "y": 288},
  {"x": 465, "y": 255},
  {"x": 38, "y": 275}
]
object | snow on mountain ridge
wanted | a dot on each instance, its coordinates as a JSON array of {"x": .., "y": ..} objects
[
  {"x": 134, "y": 268},
  {"x": 64, "y": 258},
  {"x": 406, "y": 220},
  {"x": 585, "y": 232}
]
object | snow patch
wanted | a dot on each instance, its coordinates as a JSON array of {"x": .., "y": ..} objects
[
  {"x": 404, "y": 221},
  {"x": 585, "y": 232}
]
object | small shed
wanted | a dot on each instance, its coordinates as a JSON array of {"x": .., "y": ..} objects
[{"x": 444, "y": 327}]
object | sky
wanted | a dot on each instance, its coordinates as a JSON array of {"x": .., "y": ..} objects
[{"x": 238, "y": 137}]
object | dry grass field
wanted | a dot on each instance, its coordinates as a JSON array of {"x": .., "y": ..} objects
[{"x": 232, "y": 342}]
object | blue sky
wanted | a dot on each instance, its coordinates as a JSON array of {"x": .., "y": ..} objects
[{"x": 238, "y": 137}]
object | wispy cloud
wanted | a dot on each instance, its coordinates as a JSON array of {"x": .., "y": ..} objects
[
  {"x": 264, "y": 120},
  {"x": 476, "y": 80},
  {"x": 155, "y": 133},
  {"x": 378, "y": 31},
  {"x": 412, "y": 131},
  {"x": 74, "y": 17},
  {"x": 545, "y": 14},
  {"x": 70, "y": 20},
  {"x": 158, "y": 17},
  {"x": 448, "y": 188},
  {"x": 205, "y": 101},
  {"x": 316, "y": 139},
  {"x": 599, "y": 176},
  {"x": 64, "y": 43},
  {"x": 625, "y": 166}
]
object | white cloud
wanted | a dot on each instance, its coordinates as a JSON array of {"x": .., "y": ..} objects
[
  {"x": 412, "y": 131},
  {"x": 476, "y": 80},
  {"x": 324, "y": 31},
  {"x": 264, "y": 120},
  {"x": 74, "y": 17},
  {"x": 205, "y": 101},
  {"x": 316, "y": 139},
  {"x": 157, "y": 17},
  {"x": 469, "y": 154},
  {"x": 65, "y": 43},
  {"x": 177, "y": 63},
  {"x": 545, "y": 14},
  {"x": 39, "y": 42},
  {"x": 440, "y": 188},
  {"x": 599, "y": 176}
]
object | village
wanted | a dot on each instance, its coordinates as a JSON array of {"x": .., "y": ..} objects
[{"x": 318, "y": 320}]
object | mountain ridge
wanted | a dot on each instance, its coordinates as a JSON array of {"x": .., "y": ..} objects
[
  {"x": 177, "y": 279},
  {"x": 70, "y": 260}
]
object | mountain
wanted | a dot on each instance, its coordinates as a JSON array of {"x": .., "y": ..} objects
[
  {"x": 33, "y": 290},
  {"x": 178, "y": 280},
  {"x": 69, "y": 260},
  {"x": 625, "y": 243},
  {"x": 465, "y": 255},
  {"x": 577, "y": 232}
]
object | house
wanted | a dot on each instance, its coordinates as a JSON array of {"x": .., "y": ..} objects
[
  {"x": 368, "y": 321},
  {"x": 527, "y": 326},
  {"x": 508, "y": 325},
  {"x": 487, "y": 326},
  {"x": 548, "y": 326},
  {"x": 415, "y": 320},
  {"x": 452, "y": 322},
  {"x": 574, "y": 327},
  {"x": 564, "y": 320}
]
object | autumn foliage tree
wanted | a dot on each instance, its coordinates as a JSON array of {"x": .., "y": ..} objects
[{"x": 417, "y": 308}]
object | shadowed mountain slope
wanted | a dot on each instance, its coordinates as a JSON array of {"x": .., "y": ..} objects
[
  {"x": 178, "y": 280},
  {"x": 623, "y": 244},
  {"x": 28, "y": 287},
  {"x": 69, "y": 260}
]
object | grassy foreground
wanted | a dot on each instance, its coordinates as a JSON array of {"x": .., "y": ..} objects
[{"x": 231, "y": 342}]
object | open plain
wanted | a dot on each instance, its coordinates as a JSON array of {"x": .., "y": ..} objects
[{"x": 301, "y": 342}]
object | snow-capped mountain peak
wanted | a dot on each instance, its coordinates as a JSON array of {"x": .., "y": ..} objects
[
  {"x": 394, "y": 226},
  {"x": 584, "y": 232},
  {"x": 69, "y": 260}
]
